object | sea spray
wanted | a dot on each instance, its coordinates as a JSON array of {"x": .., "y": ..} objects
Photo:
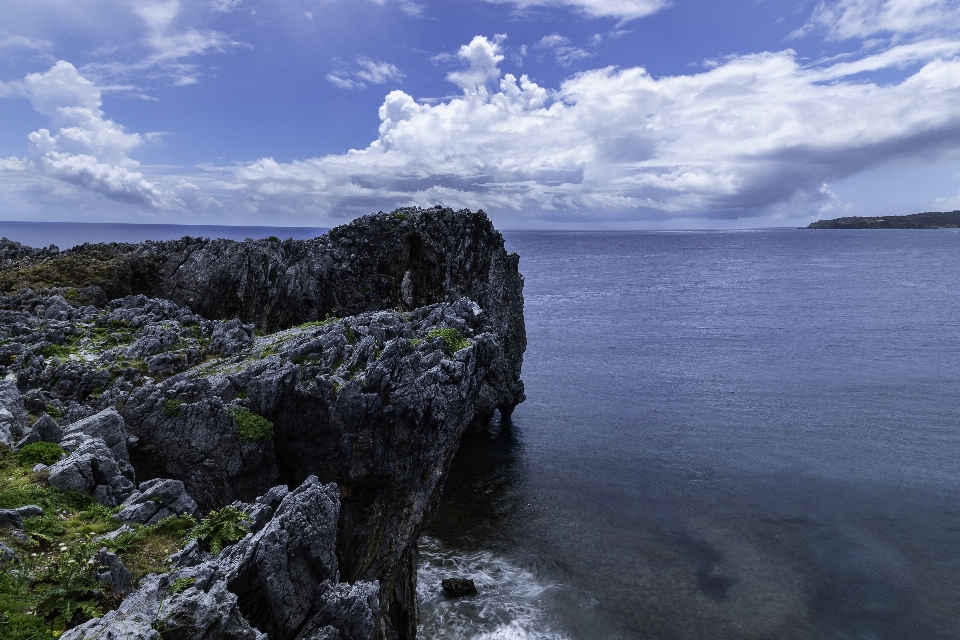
[{"x": 511, "y": 603}]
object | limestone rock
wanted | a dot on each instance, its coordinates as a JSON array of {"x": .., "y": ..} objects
[
  {"x": 112, "y": 572},
  {"x": 156, "y": 500},
  {"x": 281, "y": 583},
  {"x": 45, "y": 429},
  {"x": 459, "y": 587},
  {"x": 92, "y": 468},
  {"x": 13, "y": 416}
]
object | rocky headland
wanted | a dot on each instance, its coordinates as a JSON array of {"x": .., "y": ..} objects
[
  {"x": 928, "y": 220},
  {"x": 282, "y": 414}
]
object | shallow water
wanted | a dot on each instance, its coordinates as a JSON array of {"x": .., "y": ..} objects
[{"x": 727, "y": 435}]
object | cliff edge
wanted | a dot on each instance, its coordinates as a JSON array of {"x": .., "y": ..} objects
[{"x": 358, "y": 358}]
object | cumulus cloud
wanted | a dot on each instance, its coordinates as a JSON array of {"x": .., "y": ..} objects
[
  {"x": 846, "y": 19},
  {"x": 621, "y": 9},
  {"x": 82, "y": 146},
  {"x": 750, "y": 136},
  {"x": 366, "y": 71},
  {"x": 481, "y": 57}
]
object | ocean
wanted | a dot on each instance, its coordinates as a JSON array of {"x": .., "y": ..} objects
[{"x": 727, "y": 434}]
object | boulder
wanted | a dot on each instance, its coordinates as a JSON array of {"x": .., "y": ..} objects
[
  {"x": 13, "y": 416},
  {"x": 13, "y": 518},
  {"x": 280, "y": 583},
  {"x": 231, "y": 337},
  {"x": 107, "y": 425},
  {"x": 92, "y": 468},
  {"x": 112, "y": 572},
  {"x": 156, "y": 500},
  {"x": 459, "y": 587},
  {"x": 7, "y": 554},
  {"x": 45, "y": 429}
]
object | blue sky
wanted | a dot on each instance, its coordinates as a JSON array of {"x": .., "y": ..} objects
[{"x": 545, "y": 113}]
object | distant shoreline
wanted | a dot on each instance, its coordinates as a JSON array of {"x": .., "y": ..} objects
[{"x": 929, "y": 220}]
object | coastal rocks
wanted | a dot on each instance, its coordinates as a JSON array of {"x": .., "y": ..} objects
[
  {"x": 45, "y": 429},
  {"x": 92, "y": 468},
  {"x": 459, "y": 587},
  {"x": 230, "y": 337},
  {"x": 280, "y": 583},
  {"x": 112, "y": 572},
  {"x": 13, "y": 416},
  {"x": 13, "y": 518},
  {"x": 156, "y": 500}
]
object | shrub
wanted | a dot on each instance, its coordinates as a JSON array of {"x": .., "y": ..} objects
[
  {"x": 55, "y": 350},
  {"x": 70, "y": 587},
  {"x": 45, "y": 527},
  {"x": 221, "y": 528},
  {"x": 13, "y": 497},
  {"x": 453, "y": 340},
  {"x": 39, "y": 453},
  {"x": 399, "y": 216},
  {"x": 250, "y": 426},
  {"x": 172, "y": 408},
  {"x": 273, "y": 239}
]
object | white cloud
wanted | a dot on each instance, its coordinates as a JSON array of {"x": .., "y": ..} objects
[
  {"x": 845, "y": 19},
  {"x": 482, "y": 57},
  {"x": 366, "y": 71},
  {"x": 622, "y": 9},
  {"x": 753, "y": 135},
  {"x": 563, "y": 49},
  {"x": 85, "y": 148}
]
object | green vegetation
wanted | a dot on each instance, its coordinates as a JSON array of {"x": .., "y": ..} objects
[
  {"x": 39, "y": 453},
  {"x": 415, "y": 342},
  {"x": 182, "y": 584},
  {"x": 54, "y": 411},
  {"x": 929, "y": 220},
  {"x": 251, "y": 426},
  {"x": 318, "y": 323},
  {"x": 221, "y": 528},
  {"x": 273, "y": 239},
  {"x": 399, "y": 216},
  {"x": 52, "y": 585},
  {"x": 172, "y": 408},
  {"x": 55, "y": 351},
  {"x": 453, "y": 340}
]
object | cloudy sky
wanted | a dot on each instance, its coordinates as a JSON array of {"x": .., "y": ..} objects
[{"x": 545, "y": 113}]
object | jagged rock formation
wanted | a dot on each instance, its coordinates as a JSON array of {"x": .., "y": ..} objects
[
  {"x": 279, "y": 582},
  {"x": 390, "y": 336}
]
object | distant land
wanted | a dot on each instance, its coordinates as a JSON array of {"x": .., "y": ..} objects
[{"x": 930, "y": 220}]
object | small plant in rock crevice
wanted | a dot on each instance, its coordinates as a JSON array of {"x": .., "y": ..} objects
[
  {"x": 453, "y": 340},
  {"x": 251, "y": 426},
  {"x": 222, "y": 527},
  {"x": 172, "y": 408}
]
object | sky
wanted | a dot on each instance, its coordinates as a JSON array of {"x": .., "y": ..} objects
[{"x": 596, "y": 114}]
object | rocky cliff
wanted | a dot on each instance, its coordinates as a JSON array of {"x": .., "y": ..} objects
[{"x": 358, "y": 358}]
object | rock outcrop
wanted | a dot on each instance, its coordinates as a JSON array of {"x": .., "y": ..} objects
[
  {"x": 279, "y": 582},
  {"x": 227, "y": 368}
]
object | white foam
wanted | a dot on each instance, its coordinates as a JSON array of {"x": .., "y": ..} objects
[{"x": 509, "y": 605}]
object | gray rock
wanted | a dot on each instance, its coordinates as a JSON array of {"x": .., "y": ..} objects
[
  {"x": 40, "y": 468},
  {"x": 112, "y": 572},
  {"x": 7, "y": 554},
  {"x": 58, "y": 309},
  {"x": 107, "y": 425},
  {"x": 45, "y": 429},
  {"x": 231, "y": 337},
  {"x": 116, "y": 533},
  {"x": 158, "y": 499},
  {"x": 459, "y": 587},
  {"x": 13, "y": 416},
  {"x": 29, "y": 511},
  {"x": 281, "y": 583},
  {"x": 10, "y": 519},
  {"x": 92, "y": 468}
]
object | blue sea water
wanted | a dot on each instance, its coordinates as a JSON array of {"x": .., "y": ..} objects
[
  {"x": 747, "y": 434},
  {"x": 728, "y": 434}
]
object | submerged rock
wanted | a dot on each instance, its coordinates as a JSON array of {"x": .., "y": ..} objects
[{"x": 459, "y": 587}]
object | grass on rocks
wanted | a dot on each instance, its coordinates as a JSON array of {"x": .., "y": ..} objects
[
  {"x": 251, "y": 426},
  {"x": 51, "y": 586}
]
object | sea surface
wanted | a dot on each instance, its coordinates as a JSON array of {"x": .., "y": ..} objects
[{"x": 727, "y": 434}]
